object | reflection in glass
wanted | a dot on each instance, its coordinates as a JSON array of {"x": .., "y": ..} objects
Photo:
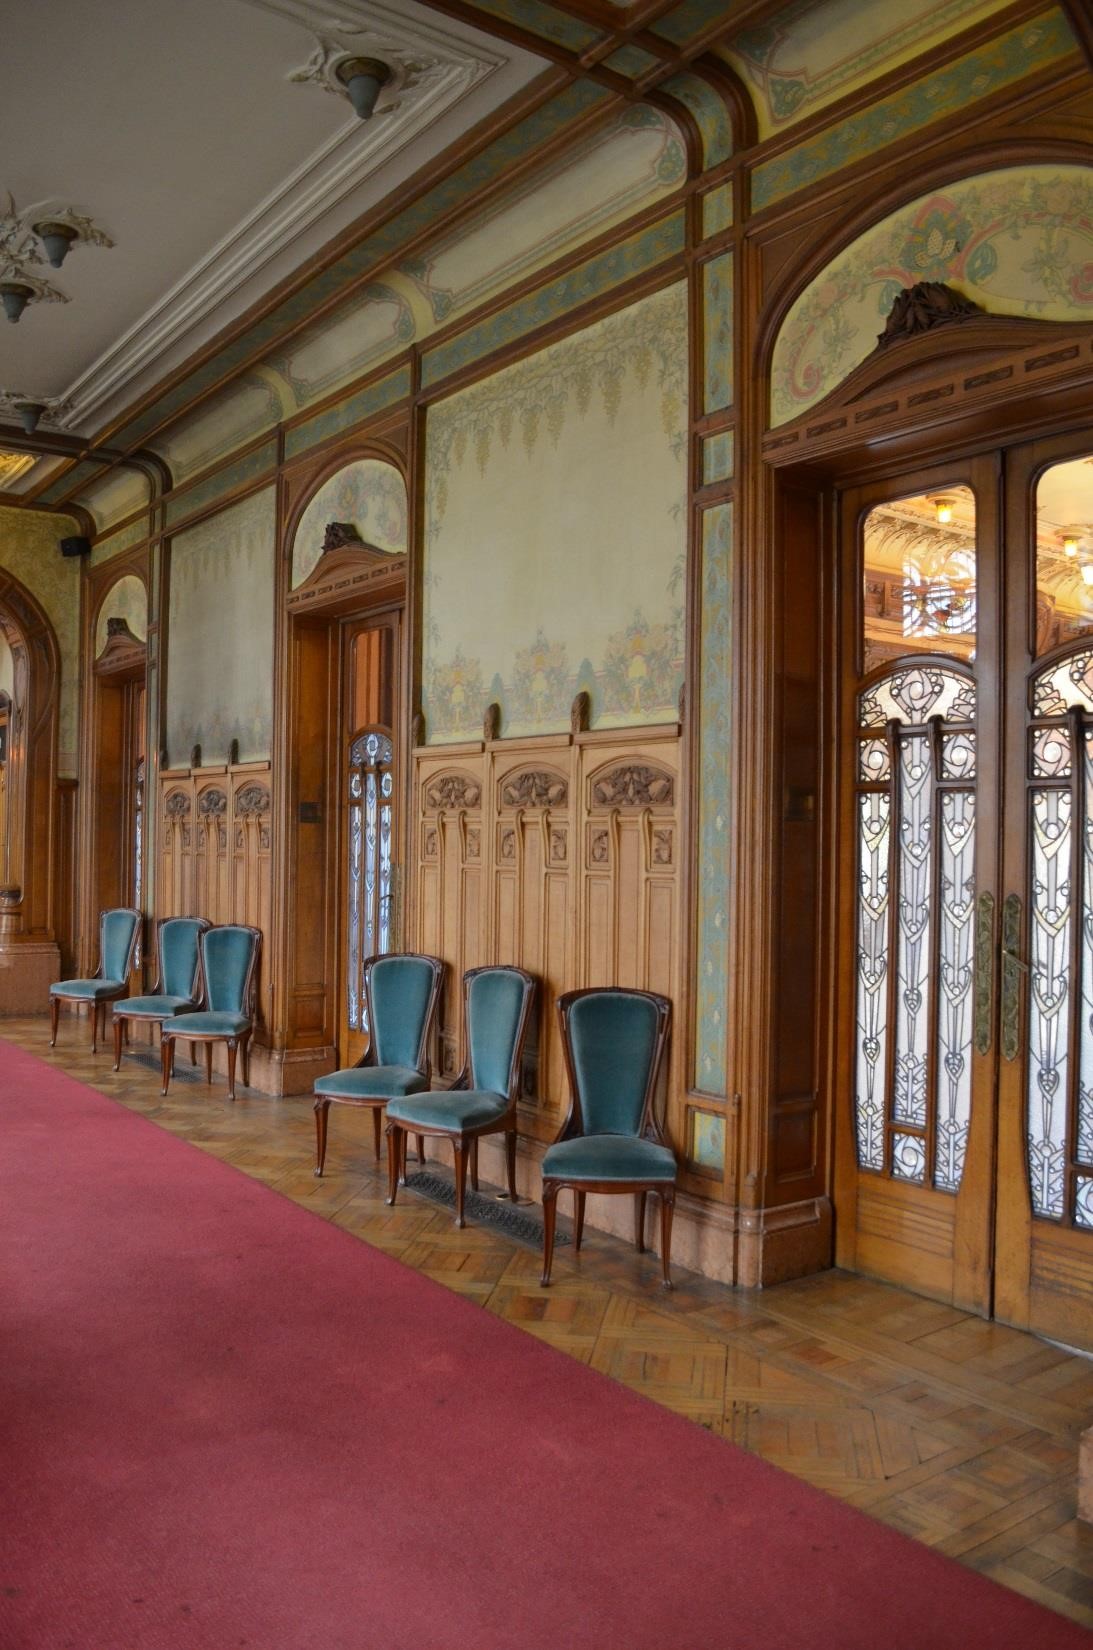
[
  {"x": 919, "y": 577},
  {"x": 1064, "y": 554},
  {"x": 369, "y": 889}
]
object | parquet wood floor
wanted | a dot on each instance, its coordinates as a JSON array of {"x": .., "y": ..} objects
[{"x": 959, "y": 1432}]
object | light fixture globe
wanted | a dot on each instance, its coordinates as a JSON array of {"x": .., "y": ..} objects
[
  {"x": 363, "y": 78},
  {"x": 15, "y": 296},
  {"x": 56, "y": 239}
]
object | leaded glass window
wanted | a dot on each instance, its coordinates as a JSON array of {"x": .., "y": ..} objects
[
  {"x": 369, "y": 872},
  {"x": 916, "y": 776}
]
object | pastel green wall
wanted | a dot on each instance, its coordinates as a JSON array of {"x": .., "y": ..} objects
[
  {"x": 28, "y": 549},
  {"x": 126, "y": 600},
  {"x": 1018, "y": 241},
  {"x": 369, "y": 494},
  {"x": 220, "y": 634},
  {"x": 556, "y": 532}
]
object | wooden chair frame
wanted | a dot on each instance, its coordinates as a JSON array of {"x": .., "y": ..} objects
[
  {"x": 122, "y": 1016},
  {"x": 376, "y": 1103},
  {"x": 239, "y": 1040},
  {"x": 465, "y": 1143},
  {"x": 98, "y": 1004},
  {"x": 649, "y": 1128}
]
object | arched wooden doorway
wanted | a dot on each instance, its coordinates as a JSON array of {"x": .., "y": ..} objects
[{"x": 956, "y": 759}]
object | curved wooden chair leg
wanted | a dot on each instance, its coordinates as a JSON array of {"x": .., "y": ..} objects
[
  {"x": 118, "y": 1028},
  {"x": 54, "y": 1016},
  {"x": 421, "y": 1148},
  {"x": 244, "y": 1043},
  {"x": 377, "y": 1126},
  {"x": 167, "y": 1061},
  {"x": 393, "y": 1149},
  {"x": 193, "y": 1054},
  {"x": 578, "y": 1224},
  {"x": 322, "y": 1117},
  {"x": 94, "y": 1028},
  {"x": 461, "y": 1155},
  {"x": 510, "y": 1163},
  {"x": 232, "y": 1048},
  {"x": 639, "y": 1221},
  {"x": 667, "y": 1206},
  {"x": 474, "y": 1163},
  {"x": 550, "y": 1210}
]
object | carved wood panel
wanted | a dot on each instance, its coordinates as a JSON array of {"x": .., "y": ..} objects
[
  {"x": 562, "y": 857},
  {"x": 215, "y": 845}
]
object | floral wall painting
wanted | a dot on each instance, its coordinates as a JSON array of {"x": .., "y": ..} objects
[
  {"x": 814, "y": 51},
  {"x": 368, "y": 493},
  {"x": 555, "y": 533},
  {"x": 220, "y": 634},
  {"x": 1017, "y": 241},
  {"x": 128, "y": 600}
]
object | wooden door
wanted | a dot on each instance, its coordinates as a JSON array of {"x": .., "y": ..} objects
[
  {"x": 919, "y": 815},
  {"x": 369, "y": 879},
  {"x": 1044, "y": 1263}
]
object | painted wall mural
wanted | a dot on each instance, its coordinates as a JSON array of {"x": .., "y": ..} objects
[
  {"x": 128, "y": 600},
  {"x": 809, "y": 54},
  {"x": 220, "y": 634},
  {"x": 119, "y": 494},
  {"x": 556, "y": 532},
  {"x": 371, "y": 495},
  {"x": 28, "y": 549},
  {"x": 1018, "y": 241}
]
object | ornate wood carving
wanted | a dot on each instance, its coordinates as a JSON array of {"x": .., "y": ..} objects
[
  {"x": 212, "y": 803},
  {"x": 251, "y": 801},
  {"x": 579, "y": 712},
  {"x": 339, "y": 535},
  {"x": 452, "y": 790},
  {"x": 634, "y": 785},
  {"x": 417, "y": 728},
  {"x": 347, "y": 578},
  {"x": 177, "y": 805},
  {"x": 534, "y": 788},
  {"x": 491, "y": 722},
  {"x": 921, "y": 308}
]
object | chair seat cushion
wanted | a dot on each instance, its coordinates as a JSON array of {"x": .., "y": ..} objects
[
  {"x": 89, "y": 989},
  {"x": 208, "y": 1025},
  {"x": 370, "y": 1082},
  {"x": 608, "y": 1157},
  {"x": 449, "y": 1113},
  {"x": 155, "y": 1007}
]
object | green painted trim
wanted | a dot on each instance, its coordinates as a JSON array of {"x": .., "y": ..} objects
[
  {"x": 650, "y": 247},
  {"x": 380, "y": 248},
  {"x": 714, "y": 741},
  {"x": 549, "y": 24},
  {"x": 632, "y": 61},
  {"x": 84, "y": 471},
  {"x": 122, "y": 538},
  {"x": 251, "y": 467},
  {"x": 354, "y": 409},
  {"x": 709, "y": 113},
  {"x": 690, "y": 19},
  {"x": 981, "y": 73},
  {"x": 717, "y": 308},
  {"x": 718, "y": 457},
  {"x": 717, "y": 210}
]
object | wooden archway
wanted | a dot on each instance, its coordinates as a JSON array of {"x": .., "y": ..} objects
[{"x": 30, "y": 860}]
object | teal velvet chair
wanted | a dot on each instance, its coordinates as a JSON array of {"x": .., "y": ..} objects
[
  {"x": 119, "y": 931},
  {"x": 229, "y": 961},
  {"x": 482, "y": 1100},
  {"x": 615, "y": 1042},
  {"x": 401, "y": 994},
  {"x": 178, "y": 989}
]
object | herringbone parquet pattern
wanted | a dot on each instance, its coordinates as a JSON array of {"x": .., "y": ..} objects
[{"x": 961, "y": 1433}]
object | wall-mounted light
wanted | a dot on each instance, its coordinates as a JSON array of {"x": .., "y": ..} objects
[
  {"x": 56, "y": 238},
  {"x": 363, "y": 78},
  {"x": 943, "y": 509}
]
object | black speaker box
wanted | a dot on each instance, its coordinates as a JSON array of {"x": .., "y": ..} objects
[{"x": 75, "y": 547}]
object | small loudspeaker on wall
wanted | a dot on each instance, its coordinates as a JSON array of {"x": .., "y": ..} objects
[{"x": 75, "y": 547}]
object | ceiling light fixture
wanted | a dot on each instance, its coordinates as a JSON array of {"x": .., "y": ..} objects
[
  {"x": 1087, "y": 571},
  {"x": 1069, "y": 538},
  {"x": 943, "y": 509},
  {"x": 56, "y": 238},
  {"x": 363, "y": 78},
  {"x": 15, "y": 296},
  {"x": 30, "y": 414}
]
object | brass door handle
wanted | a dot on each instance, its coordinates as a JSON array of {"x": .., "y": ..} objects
[{"x": 1012, "y": 969}]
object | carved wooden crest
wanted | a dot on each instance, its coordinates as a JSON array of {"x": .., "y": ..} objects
[
  {"x": 177, "y": 805},
  {"x": 922, "y": 307},
  {"x": 452, "y": 790},
  {"x": 534, "y": 788},
  {"x": 634, "y": 785},
  {"x": 339, "y": 534},
  {"x": 122, "y": 650},
  {"x": 212, "y": 804},
  {"x": 252, "y": 801}
]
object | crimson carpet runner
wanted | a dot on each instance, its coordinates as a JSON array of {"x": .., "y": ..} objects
[{"x": 228, "y": 1424}]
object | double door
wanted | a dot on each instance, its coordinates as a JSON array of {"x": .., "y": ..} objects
[{"x": 965, "y": 911}]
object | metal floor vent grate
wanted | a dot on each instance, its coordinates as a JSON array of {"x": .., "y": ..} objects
[{"x": 484, "y": 1210}]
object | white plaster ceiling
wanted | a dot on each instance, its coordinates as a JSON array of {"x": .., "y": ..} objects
[{"x": 174, "y": 126}]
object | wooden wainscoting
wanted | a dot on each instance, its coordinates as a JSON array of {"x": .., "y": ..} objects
[
  {"x": 215, "y": 856},
  {"x": 560, "y": 854}
]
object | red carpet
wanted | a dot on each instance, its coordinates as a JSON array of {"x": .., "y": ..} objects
[{"x": 227, "y": 1423}]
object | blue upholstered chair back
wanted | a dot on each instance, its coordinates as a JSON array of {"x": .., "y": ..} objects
[
  {"x": 179, "y": 941},
  {"x": 612, "y": 1042},
  {"x": 495, "y": 1005},
  {"x": 228, "y": 952},
  {"x": 116, "y": 941},
  {"x": 400, "y": 990}
]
